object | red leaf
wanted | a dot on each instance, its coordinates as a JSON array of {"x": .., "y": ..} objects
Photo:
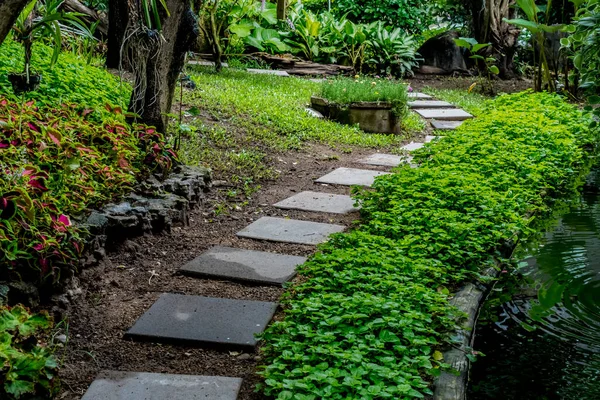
[{"x": 55, "y": 137}]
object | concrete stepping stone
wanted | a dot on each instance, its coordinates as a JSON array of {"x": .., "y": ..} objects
[
  {"x": 429, "y": 104},
  {"x": 454, "y": 114},
  {"x": 386, "y": 160},
  {"x": 351, "y": 177},
  {"x": 244, "y": 265},
  {"x": 412, "y": 146},
  {"x": 314, "y": 113},
  {"x": 197, "y": 320},
  {"x": 205, "y": 63},
  {"x": 267, "y": 72},
  {"x": 117, "y": 385},
  {"x": 446, "y": 125},
  {"x": 430, "y": 138},
  {"x": 319, "y": 202},
  {"x": 290, "y": 231},
  {"x": 419, "y": 96}
]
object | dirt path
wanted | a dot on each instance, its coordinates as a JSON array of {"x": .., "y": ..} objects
[{"x": 116, "y": 293}]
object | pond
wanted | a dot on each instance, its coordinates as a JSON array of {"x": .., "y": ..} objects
[{"x": 542, "y": 341}]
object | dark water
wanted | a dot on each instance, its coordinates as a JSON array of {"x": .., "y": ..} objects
[{"x": 542, "y": 340}]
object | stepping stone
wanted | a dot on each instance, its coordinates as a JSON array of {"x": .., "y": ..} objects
[
  {"x": 430, "y": 138},
  {"x": 267, "y": 72},
  {"x": 351, "y": 176},
  {"x": 117, "y": 385},
  {"x": 446, "y": 125},
  {"x": 419, "y": 96},
  {"x": 429, "y": 104},
  {"x": 197, "y": 320},
  {"x": 204, "y": 63},
  {"x": 454, "y": 114},
  {"x": 244, "y": 265},
  {"x": 290, "y": 231},
  {"x": 319, "y": 202},
  {"x": 386, "y": 160},
  {"x": 314, "y": 113},
  {"x": 412, "y": 146}
]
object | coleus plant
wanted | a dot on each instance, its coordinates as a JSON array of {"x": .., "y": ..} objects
[{"x": 57, "y": 163}]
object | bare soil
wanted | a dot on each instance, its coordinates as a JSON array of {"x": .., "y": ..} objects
[
  {"x": 117, "y": 292},
  {"x": 419, "y": 81}
]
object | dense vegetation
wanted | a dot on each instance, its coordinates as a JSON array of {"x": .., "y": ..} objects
[{"x": 371, "y": 314}]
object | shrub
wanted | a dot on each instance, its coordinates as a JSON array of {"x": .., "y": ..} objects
[
  {"x": 371, "y": 314},
  {"x": 26, "y": 362},
  {"x": 57, "y": 163}
]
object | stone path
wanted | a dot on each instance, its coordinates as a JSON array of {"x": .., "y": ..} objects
[{"x": 232, "y": 324}]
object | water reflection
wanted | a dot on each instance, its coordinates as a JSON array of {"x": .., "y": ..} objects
[{"x": 545, "y": 342}]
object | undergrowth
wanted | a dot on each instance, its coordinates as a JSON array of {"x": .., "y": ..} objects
[
  {"x": 271, "y": 110},
  {"x": 371, "y": 317},
  {"x": 57, "y": 163},
  {"x": 70, "y": 80}
]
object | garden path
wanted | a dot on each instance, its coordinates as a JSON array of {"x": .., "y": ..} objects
[{"x": 232, "y": 324}]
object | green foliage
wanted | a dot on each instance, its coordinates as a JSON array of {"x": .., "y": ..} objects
[
  {"x": 371, "y": 313},
  {"x": 409, "y": 15},
  {"x": 57, "y": 163},
  {"x": 487, "y": 62},
  {"x": 584, "y": 43},
  {"x": 391, "y": 51},
  {"x": 71, "y": 80},
  {"x": 27, "y": 366}
]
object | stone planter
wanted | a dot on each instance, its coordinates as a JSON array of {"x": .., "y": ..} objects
[{"x": 371, "y": 117}]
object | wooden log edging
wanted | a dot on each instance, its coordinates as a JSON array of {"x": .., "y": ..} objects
[{"x": 470, "y": 299}]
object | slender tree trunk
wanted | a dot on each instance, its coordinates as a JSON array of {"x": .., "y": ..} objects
[
  {"x": 9, "y": 12},
  {"x": 118, "y": 20},
  {"x": 153, "y": 100},
  {"x": 281, "y": 8},
  {"x": 216, "y": 38},
  {"x": 489, "y": 27}
]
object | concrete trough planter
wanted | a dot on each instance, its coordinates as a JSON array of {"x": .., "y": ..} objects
[{"x": 372, "y": 117}]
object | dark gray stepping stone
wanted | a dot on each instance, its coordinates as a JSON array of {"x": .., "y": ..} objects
[
  {"x": 386, "y": 160},
  {"x": 267, "y": 72},
  {"x": 319, "y": 202},
  {"x": 419, "y": 96},
  {"x": 117, "y": 385},
  {"x": 412, "y": 146},
  {"x": 290, "y": 231},
  {"x": 351, "y": 177},
  {"x": 244, "y": 265},
  {"x": 429, "y": 104},
  {"x": 454, "y": 114},
  {"x": 207, "y": 321},
  {"x": 446, "y": 125}
]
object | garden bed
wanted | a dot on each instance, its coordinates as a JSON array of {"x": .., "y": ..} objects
[{"x": 372, "y": 316}]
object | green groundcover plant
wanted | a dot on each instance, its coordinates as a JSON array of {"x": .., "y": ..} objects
[
  {"x": 27, "y": 366},
  {"x": 70, "y": 80},
  {"x": 371, "y": 315},
  {"x": 57, "y": 163}
]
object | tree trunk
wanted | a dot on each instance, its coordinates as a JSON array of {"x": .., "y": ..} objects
[
  {"x": 118, "y": 20},
  {"x": 154, "y": 89},
  {"x": 489, "y": 27},
  {"x": 9, "y": 12},
  {"x": 281, "y": 8}
]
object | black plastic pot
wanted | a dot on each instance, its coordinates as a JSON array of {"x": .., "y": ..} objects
[{"x": 20, "y": 84}]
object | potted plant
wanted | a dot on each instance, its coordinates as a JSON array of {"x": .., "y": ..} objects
[
  {"x": 375, "y": 105},
  {"x": 40, "y": 20}
]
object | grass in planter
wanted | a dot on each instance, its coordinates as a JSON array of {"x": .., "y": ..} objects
[{"x": 364, "y": 89}]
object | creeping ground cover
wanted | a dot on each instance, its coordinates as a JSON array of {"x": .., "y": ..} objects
[{"x": 371, "y": 315}]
